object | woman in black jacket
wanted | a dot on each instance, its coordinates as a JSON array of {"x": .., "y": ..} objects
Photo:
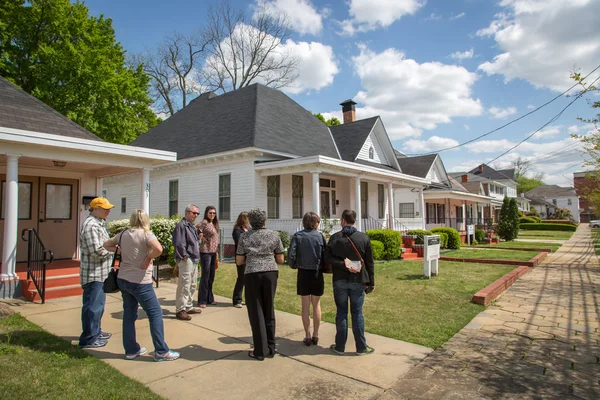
[
  {"x": 241, "y": 225},
  {"x": 306, "y": 254}
]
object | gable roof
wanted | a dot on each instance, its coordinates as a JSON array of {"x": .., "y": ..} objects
[
  {"x": 350, "y": 137},
  {"x": 254, "y": 116},
  {"x": 490, "y": 173},
  {"x": 550, "y": 191},
  {"x": 417, "y": 166},
  {"x": 20, "y": 110}
]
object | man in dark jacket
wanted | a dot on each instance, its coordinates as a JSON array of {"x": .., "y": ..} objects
[
  {"x": 350, "y": 254},
  {"x": 187, "y": 255}
]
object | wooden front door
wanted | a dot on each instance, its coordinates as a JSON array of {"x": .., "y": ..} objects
[{"x": 57, "y": 216}]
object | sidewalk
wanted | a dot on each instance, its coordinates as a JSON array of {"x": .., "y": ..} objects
[
  {"x": 539, "y": 340},
  {"x": 214, "y": 363}
]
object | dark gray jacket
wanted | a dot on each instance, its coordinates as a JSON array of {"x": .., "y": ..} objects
[
  {"x": 340, "y": 248},
  {"x": 185, "y": 241},
  {"x": 306, "y": 250}
]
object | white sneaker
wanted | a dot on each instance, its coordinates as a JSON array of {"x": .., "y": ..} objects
[{"x": 140, "y": 352}]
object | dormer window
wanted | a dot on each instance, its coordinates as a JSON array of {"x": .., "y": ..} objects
[{"x": 371, "y": 153}]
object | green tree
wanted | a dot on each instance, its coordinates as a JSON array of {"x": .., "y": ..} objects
[
  {"x": 56, "y": 51},
  {"x": 525, "y": 184},
  {"x": 333, "y": 121},
  {"x": 508, "y": 225}
]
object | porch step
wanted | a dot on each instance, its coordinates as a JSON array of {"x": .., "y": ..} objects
[
  {"x": 56, "y": 281},
  {"x": 410, "y": 256},
  {"x": 54, "y": 292}
]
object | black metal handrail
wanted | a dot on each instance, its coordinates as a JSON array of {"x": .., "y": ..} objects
[
  {"x": 37, "y": 259},
  {"x": 370, "y": 223}
]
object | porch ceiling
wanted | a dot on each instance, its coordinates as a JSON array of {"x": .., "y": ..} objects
[{"x": 71, "y": 166}]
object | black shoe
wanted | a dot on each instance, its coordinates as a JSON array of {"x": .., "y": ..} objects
[{"x": 251, "y": 355}]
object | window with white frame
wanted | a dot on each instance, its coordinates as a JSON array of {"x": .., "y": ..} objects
[
  {"x": 380, "y": 201},
  {"x": 371, "y": 153},
  {"x": 406, "y": 210},
  {"x": 297, "y": 196},
  {"x": 225, "y": 196},
  {"x": 173, "y": 197},
  {"x": 273, "y": 197}
]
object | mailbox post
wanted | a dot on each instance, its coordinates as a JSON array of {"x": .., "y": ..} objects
[
  {"x": 431, "y": 255},
  {"x": 470, "y": 231}
]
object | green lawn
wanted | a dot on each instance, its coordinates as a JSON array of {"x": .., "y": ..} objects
[
  {"x": 405, "y": 305},
  {"x": 38, "y": 365},
  {"x": 552, "y": 246},
  {"x": 492, "y": 254},
  {"x": 554, "y": 235},
  {"x": 596, "y": 239}
]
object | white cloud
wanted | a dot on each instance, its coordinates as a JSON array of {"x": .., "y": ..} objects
[
  {"x": 530, "y": 106},
  {"x": 547, "y": 132},
  {"x": 301, "y": 15},
  {"x": 458, "y": 55},
  {"x": 458, "y": 16},
  {"x": 528, "y": 150},
  {"x": 411, "y": 97},
  {"x": 489, "y": 146},
  {"x": 538, "y": 43},
  {"x": 317, "y": 66},
  {"x": 368, "y": 15},
  {"x": 499, "y": 113},
  {"x": 434, "y": 143},
  {"x": 467, "y": 127},
  {"x": 433, "y": 17}
]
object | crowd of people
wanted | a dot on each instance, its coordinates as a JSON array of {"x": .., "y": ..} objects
[{"x": 347, "y": 256}]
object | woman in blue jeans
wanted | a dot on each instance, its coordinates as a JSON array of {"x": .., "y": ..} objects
[{"x": 138, "y": 247}]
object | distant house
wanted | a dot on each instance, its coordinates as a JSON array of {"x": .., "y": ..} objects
[
  {"x": 445, "y": 201},
  {"x": 257, "y": 147},
  {"x": 583, "y": 184},
  {"x": 548, "y": 198},
  {"x": 50, "y": 169}
]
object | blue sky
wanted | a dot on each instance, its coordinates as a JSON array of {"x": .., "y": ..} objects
[{"x": 438, "y": 72}]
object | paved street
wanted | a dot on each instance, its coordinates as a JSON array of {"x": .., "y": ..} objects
[{"x": 539, "y": 340}]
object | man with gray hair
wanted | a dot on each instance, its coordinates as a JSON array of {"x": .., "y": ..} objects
[{"x": 187, "y": 255}]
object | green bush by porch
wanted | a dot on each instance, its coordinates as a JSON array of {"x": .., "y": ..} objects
[
  {"x": 479, "y": 235},
  {"x": 419, "y": 233},
  {"x": 392, "y": 242},
  {"x": 548, "y": 227},
  {"x": 378, "y": 249},
  {"x": 453, "y": 236}
]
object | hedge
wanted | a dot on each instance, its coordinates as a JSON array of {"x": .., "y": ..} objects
[
  {"x": 548, "y": 227},
  {"x": 536, "y": 218},
  {"x": 161, "y": 227},
  {"x": 479, "y": 235},
  {"x": 419, "y": 233},
  {"x": 453, "y": 236},
  {"x": 285, "y": 239},
  {"x": 378, "y": 249},
  {"x": 558, "y": 221},
  {"x": 392, "y": 242},
  {"x": 443, "y": 240},
  {"x": 527, "y": 220}
]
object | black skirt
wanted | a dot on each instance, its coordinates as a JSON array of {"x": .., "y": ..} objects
[{"x": 310, "y": 282}]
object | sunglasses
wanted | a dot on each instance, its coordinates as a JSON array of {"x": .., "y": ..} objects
[
  {"x": 195, "y": 213},
  {"x": 212, "y": 212}
]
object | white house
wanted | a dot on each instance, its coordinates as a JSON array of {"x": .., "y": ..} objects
[
  {"x": 50, "y": 169},
  {"x": 257, "y": 147},
  {"x": 547, "y": 198}
]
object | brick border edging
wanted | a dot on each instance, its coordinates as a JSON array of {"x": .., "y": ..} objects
[
  {"x": 531, "y": 263},
  {"x": 541, "y": 249},
  {"x": 491, "y": 292}
]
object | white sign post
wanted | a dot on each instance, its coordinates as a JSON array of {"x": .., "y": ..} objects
[
  {"x": 470, "y": 231},
  {"x": 431, "y": 255}
]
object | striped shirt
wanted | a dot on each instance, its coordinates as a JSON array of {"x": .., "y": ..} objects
[{"x": 95, "y": 259}]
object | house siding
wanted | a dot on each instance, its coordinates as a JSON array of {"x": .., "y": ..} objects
[{"x": 379, "y": 155}]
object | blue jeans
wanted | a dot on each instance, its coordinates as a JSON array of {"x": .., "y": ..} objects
[
  {"x": 342, "y": 291},
  {"x": 142, "y": 294},
  {"x": 91, "y": 312},
  {"x": 207, "y": 265}
]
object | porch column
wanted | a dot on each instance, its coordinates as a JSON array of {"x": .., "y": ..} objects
[
  {"x": 422, "y": 204},
  {"x": 11, "y": 219},
  {"x": 316, "y": 193},
  {"x": 145, "y": 194},
  {"x": 464, "y": 214},
  {"x": 390, "y": 206},
  {"x": 99, "y": 187},
  {"x": 358, "y": 224}
]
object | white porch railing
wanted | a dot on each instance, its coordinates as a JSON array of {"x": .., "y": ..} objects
[
  {"x": 292, "y": 226},
  {"x": 405, "y": 224}
]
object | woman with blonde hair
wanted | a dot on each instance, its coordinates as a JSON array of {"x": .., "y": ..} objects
[{"x": 139, "y": 247}]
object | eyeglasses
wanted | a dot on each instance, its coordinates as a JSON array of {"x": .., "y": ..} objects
[
  {"x": 212, "y": 212},
  {"x": 195, "y": 213}
]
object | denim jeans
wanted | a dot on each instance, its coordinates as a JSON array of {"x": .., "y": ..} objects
[
  {"x": 142, "y": 294},
  {"x": 342, "y": 291},
  {"x": 91, "y": 312},
  {"x": 207, "y": 264}
]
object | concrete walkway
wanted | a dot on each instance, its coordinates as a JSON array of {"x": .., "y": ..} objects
[
  {"x": 214, "y": 363},
  {"x": 555, "y": 241},
  {"x": 539, "y": 340}
]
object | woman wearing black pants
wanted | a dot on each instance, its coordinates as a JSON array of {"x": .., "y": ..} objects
[
  {"x": 241, "y": 225},
  {"x": 208, "y": 233},
  {"x": 261, "y": 250}
]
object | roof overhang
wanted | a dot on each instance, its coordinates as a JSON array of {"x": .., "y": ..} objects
[
  {"x": 323, "y": 164},
  {"x": 100, "y": 158},
  {"x": 456, "y": 195}
]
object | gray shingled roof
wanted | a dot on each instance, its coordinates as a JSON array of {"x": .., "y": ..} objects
[
  {"x": 255, "y": 116},
  {"x": 20, "y": 110},
  {"x": 351, "y": 137},
  {"x": 377, "y": 165},
  {"x": 550, "y": 191},
  {"x": 491, "y": 173},
  {"x": 416, "y": 166}
]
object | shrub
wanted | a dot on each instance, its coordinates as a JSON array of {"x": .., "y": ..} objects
[
  {"x": 161, "y": 227},
  {"x": 479, "y": 235},
  {"x": 535, "y": 218},
  {"x": 527, "y": 220},
  {"x": 549, "y": 227},
  {"x": 453, "y": 236},
  {"x": 508, "y": 226},
  {"x": 378, "y": 249},
  {"x": 171, "y": 257},
  {"x": 392, "y": 242},
  {"x": 443, "y": 240},
  {"x": 285, "y": 239},
  {"x": 419, "y": 233}
]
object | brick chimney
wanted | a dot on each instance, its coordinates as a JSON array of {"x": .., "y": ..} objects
[
  {"x": 480, "y": 167},
  {"x": 349, "y": 111},
  {"x": 464, "y": 178}
]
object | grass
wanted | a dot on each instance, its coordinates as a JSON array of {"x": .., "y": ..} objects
[
  {"x": 552, "y": 246},
  {"x": 405, "y": 305},
  {"x": 492, "y": 254},
  {"x": 38, "y": 365},
  {"x": 554, "y": 235},
  {"x": 596, "y": 240}
]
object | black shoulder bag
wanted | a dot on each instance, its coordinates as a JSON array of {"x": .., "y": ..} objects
[{"x": 110, "y": 283}]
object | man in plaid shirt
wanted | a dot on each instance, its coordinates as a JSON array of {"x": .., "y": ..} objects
[{"x": 95, "y": 266}]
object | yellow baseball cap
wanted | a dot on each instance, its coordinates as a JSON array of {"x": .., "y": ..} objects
[{"x": 101, "y": 202}]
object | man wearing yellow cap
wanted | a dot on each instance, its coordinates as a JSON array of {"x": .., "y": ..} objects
[{"x": 95, "y": 266}]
